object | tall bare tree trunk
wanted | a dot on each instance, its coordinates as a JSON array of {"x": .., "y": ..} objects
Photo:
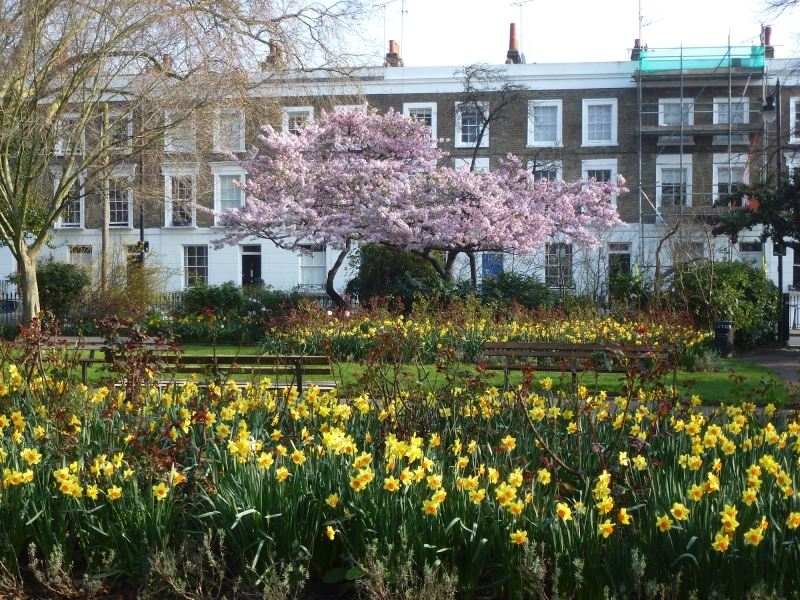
[
  {"x": 30, "y": 286},
  {"x": 105, "y": 241}
]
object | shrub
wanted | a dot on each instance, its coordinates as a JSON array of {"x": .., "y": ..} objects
[
  {"x": 526, "y": 290},
  {"x": 224, "y": 299},
  {"x": 730, "y": 291},
  {"x": 384, "y": 271},
  {"x": 61, "y": 286}
]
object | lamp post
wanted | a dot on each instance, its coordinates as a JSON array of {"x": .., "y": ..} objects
[{"x": 771, "y": 111}]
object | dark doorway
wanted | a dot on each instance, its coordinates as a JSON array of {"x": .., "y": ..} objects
[{"x": 251, "y": 265}]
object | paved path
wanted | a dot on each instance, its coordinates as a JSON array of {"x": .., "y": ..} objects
[{"x": 784, "y": 361}]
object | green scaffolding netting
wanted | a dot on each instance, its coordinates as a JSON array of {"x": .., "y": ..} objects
[{"x": 673, "y": 59}]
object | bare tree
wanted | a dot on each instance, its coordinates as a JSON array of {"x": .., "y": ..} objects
[{"x": 85, "y": 85}]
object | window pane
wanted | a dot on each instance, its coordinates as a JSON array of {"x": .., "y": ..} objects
[
  {"x": 599, "y": 122},
  {"x": 71, "y": 217},
  {"x": 230, "y": 195},
  {"x": 601, "y": 175},
  {"x": 558, "y": 270},
  {"x": 471, "y": 121},
  {"x": 181, "y": 201},
  {"x": 118, "y": 203},
  {"x": 546, "y": 174},
  {"x": 296, "y": 119},
  {"x": 727, "y": 176},
  {"x": 738, "y": 109},
  {"x": 545, "y": 123},
  {"x": 673, "y": 186},
  {"x": 195, "y": 260},
  {"x": 422, "y": 115}
]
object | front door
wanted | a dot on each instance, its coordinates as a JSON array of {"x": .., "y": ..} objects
[{"x": 251, "y": 268}]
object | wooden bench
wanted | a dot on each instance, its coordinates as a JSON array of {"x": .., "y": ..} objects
[
  {"x": 570, "y": 358},
  {"x": 227, "y": 366}
]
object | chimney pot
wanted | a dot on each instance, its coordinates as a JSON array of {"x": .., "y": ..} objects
[
  {"x": 513, "y": 41},
  {"x": 637, "y": 43},
  {"x": 768, "y": 35},
  {"x": 393, "y": 56}
]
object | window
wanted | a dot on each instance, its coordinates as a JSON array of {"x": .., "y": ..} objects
[
  {"x": 229, "y": 131},
  {"x": 70, "y": 136},
  {"x": 195, "y": 264},
  {"x": 119, "y": 203},
  {"x": 80, "y": 255},
  {"x": 423, "y": 112},
  {"x": 673, "y": 180},
  {"x": 544, "y": 123},
  {"x": 313, "y": 266},
  {"x": 558, "y": 269},
  {"x": 179, "y": 184},
  {"x": 481, "y": 163},
  {"x": 751, "y": 247},
  {"x": 619, "y": 259},
  {"x": 690, "y": 252},
  {"x": 728, "y": 171},
  {"x": 470, "y": 120},
  {"x": 491, "y": 264},
  {"x": 739, "y": 114},
  {"x": 120, "y": 195},
  {"x": 120, "y": 133},
  {"x": 294, "y": 118},
  {"x": 794, "y": 120},
  {"x": 548, "y": 170},
  {"x": 179, "y": 137},
  {"x": 599, "y": 123},
  {"x": 73, "y": 213},
  {"x": 601, "y": 169},
  {"x": 671, "y": 109},
  {"x": 227, "y": 193}
]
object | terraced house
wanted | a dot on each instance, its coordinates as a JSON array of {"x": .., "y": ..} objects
[{"x": 680, "y": 124}]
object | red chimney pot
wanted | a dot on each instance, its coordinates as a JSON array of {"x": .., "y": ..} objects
[
  {"x": 768, "y": 35},
  {"x": 513, "y": 42}
]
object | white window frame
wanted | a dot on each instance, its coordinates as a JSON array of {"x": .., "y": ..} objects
[
  {"x": 221, "y": 169},
  {"x": 318, "y": 250},
  {"x": 57, "y": 174},
  {"x": 587, "y": 102},
  {"x": 122, "y": 172},
  {"x": 673, "y": 161},
  {"x": 481, "y": 163},
  {"x": 720, "y": 162},
  {"x": 184, "y": 249},
  {"x": 723, "y": 138},
  {"x": 218, "y": 137},
  {"x": 552, "y": 165},
  {"x": 288, "y": 109},
  {"x": 687, "y": 102},
  {"x": 596, "y": 164},
  {"x": 532, "y": 142},
  {"x": 794, "y": 134},
  {"x": 458, "y": 115},
  {"x": 179, "y": 170},
  {"x": 169, "y": 141},
  {"x": 59, "y": 149},
  {"x": 359, "y": 107},
  {"x": 128, "y": 118},
  {"x": 408, "y": 106}
]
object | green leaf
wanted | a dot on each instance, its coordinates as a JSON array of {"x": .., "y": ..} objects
[
  {"x": 335, "y": 575},
  {"x": 477, "y": 553},
  {"x": 691, "y": 541},
  {"x": 354, "y": 573},
  {"x": 685, "y": 555}
]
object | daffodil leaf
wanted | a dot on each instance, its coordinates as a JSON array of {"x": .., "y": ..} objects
[
  {"x": 453, "y": 522},
  {"x": 478, "y": 550},
  {"x": 691, "y": 541},
  {"x": 685, "y": 555}
]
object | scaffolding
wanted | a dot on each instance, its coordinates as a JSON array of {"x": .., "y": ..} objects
[{"x": 722, "y": 126}]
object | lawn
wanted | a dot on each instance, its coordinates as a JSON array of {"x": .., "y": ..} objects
[{"x": 712, "y": 387}]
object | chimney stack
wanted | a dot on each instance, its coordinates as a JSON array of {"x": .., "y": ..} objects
[
  {"x": 637, "y": 49},
  {"x": 513, "y": 57},
  {"x": 275, "y": 58},
  {"x": 769, "y": 49},
  {"x": 393, "y": 56}
]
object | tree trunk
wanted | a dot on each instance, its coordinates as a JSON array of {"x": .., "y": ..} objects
[
  {"x": 332, "y": 293},
  {"x": 473, "y": 268},
  {"x": 30, "y": 287},
  {"x": 105, "y": 238}
]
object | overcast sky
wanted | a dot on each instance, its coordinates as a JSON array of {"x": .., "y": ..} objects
[{"x": 460, "y": 32}]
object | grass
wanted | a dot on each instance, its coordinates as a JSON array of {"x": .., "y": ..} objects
[{"x": 712, "y": 387}]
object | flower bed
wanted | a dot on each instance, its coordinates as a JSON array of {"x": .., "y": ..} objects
[{"x": 524, "y": 492}]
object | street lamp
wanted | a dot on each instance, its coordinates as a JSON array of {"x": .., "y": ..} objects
[{"x": 768, "y": 110}]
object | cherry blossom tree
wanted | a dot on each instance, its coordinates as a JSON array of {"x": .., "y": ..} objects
[{"x": 360, "y": 177}]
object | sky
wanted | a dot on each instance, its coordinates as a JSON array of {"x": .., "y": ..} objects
[{"x": 461, "y": 32}]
